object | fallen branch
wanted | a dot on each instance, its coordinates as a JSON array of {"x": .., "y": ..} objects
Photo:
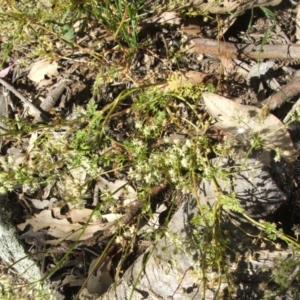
[
  {"x": 231, "y": 50},
  {"x": 290, "y": 90},
  {"x": 52, "y": 98}
]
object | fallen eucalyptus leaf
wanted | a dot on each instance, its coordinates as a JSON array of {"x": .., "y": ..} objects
[
  {"x": 65, "y": 228},
  {"x": 243, "y": 122},
  {"x": 254, "y": 188}
]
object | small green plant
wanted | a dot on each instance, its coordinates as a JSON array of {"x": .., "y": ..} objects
[{"x": 119, "y": 17}]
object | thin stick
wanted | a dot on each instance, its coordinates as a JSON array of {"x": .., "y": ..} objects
[
  {"x": 38, "y": 114},
  {"x": 290, "y": 90},
  {"x": 232, "y": 50}
]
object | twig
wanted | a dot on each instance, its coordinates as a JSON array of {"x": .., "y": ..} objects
[
  {"x": 38, "y": 114},
  {"x": 52, "y": 98},
  {"x": 96, "y": 196},
  {"x": 290, "y": 90},
  {"x": 231, "y": 50},
  {"x": 291, "y": 112},
  {"x": 3, "y": 105},
  {"x": 3, "y": 113}
]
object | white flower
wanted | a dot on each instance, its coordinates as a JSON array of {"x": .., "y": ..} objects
[
  {"x": 188, "y": 143},
  {"x": 147, "y": 131},
  {"x": 153, "y": 127},
  {"x": 240, "y": 131},
  {"x": 184, "y": 163},
  {"x": 172, "y": 174},
  {"x": 3, "y": 190},
  {"x": 138, "y": 125},
  {"x": 166, "y": 140},
  {"x": 148, "y": 178},
  {"x": 277, "y": 156},
  {"x": 131, "y": 173}
]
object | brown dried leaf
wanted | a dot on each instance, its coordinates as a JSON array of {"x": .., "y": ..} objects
[
  {"x": 242, "y": 121},
  {"x": 45, "y": 219},
  {"x": 65, "y": 228}
]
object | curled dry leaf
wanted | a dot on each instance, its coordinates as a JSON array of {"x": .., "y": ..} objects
[
  {"x": 244, "y": 121},
  {"x": 192, "y": 26},
  {"x": 72, "y": 280},
  {"x": 42, "y": 68}
]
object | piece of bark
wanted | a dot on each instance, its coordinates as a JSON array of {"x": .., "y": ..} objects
[
  {"x": 52, "y": 98},
  {"x": 11, "y": 249},
  {"x": 242, "y": 51},
  {"x": 3, "y": 114}
]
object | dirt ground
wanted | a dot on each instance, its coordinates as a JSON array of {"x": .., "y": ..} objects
[{"x": 221, "y": 50}]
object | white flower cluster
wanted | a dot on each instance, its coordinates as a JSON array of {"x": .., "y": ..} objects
[{"x": 177, "y": 159}]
